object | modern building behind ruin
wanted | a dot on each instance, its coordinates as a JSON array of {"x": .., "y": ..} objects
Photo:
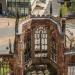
[{"x": 9, "y": 7}]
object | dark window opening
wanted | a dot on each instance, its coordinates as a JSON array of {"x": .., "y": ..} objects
[{"x": 27, "y": 54}]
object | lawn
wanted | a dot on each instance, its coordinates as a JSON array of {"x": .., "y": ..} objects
[{"x": 4, "y": 70}]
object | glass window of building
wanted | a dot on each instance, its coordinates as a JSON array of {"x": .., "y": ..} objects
[
  {"x": 22, "y": 11},
  {"x": 22, "y": 5},
  {"x": 26, "y": 11}
]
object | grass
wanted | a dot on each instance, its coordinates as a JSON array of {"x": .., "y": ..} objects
[{"x": 4, "y": 70}]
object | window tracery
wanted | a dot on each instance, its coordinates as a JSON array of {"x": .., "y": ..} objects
[
  {"x": 40, "y": 42},
  {"x": 41, "y": 39}
]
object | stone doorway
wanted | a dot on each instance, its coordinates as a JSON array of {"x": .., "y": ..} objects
[{"x": 0, "y": 8}]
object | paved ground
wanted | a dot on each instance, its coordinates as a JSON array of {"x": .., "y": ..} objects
[{"x": 7, "y": 31}]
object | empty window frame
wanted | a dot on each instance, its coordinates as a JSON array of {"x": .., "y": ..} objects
[
  {"x": 53, "y": 50},
  {"x": 40, "y": 37}
]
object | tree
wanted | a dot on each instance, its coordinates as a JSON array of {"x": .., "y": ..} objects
[
  {"x": 72, "y": 8},
  {"x": 63, "y": 9}
]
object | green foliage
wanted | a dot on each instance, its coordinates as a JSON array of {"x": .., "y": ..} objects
[
  {"x": 4, "y": 69},
  {"x": 63, "y": 9}
]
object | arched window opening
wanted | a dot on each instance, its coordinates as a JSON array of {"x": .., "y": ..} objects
[
  {"x": 53, "y": 50},
  {"x": 27, "y": 53},
  {"x": 40, "y": 41}
]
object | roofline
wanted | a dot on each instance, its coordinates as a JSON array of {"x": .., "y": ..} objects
[
  {"x": 6, "y": 55},
  {"x": 39, "y": 18}
]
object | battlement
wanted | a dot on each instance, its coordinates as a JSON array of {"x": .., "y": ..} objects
[{"x": 40, "y": 16}]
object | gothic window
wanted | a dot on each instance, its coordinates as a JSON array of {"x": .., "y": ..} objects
[
  {"x": 40, "y": 41},
  {"x": 22, "y": 5}
]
